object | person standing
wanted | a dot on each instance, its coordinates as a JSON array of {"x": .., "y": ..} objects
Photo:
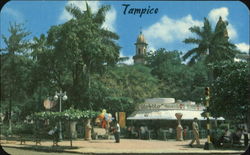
[
  {"x": 55, "y": 133},
  {"x": 195, "y": 132},
  {"x": 117, "y": 131}
]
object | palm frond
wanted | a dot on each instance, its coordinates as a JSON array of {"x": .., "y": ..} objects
[
  {"x": 109, "y": 34},
  {"x": 192, "y": 41},
  {"x": 100, "y": 15},
  {"x": 193, "y": 60},
  {"x": 74, "y": 11},
  {"x": 88, "y": 11},
  {"x": 190, "y": 53},
  {"x": 207, "y": 28},
  {"x": 196, "y": 29}
]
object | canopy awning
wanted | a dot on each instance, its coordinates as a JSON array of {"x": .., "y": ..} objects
[{"x": 168, "y": 115}]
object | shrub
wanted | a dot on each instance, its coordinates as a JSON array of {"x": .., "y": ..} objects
[
  {"x": 23, "y": 128},
  {"x": 223, "y": 126}
]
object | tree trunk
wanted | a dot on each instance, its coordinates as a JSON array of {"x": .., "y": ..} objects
[{"x": 10, "y": 110}]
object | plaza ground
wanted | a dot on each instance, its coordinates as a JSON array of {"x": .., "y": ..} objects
[
  {"x": 17, "y": 151},
  {"x": 126, "y": 146}
]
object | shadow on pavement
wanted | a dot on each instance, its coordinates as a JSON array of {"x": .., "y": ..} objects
[
  {"x": 46, "y": 148},
  {"x": 101, "y": 142}
]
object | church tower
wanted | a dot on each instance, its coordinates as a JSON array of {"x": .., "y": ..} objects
[{"x": 141, "y": 49}]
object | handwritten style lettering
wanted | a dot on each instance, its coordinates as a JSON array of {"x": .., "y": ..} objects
[{"x": 139, "y": 11}]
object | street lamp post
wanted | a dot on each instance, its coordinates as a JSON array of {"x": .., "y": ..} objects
[{"x": 61, "y": 96}]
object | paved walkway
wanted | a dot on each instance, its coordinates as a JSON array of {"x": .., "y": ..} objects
[{"x": 128, "y": 146}]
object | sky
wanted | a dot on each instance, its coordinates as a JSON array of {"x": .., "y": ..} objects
[{"x": 165, "y": 29}]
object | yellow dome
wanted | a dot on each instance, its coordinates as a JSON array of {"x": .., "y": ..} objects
[{"x": 140, "y": 38}]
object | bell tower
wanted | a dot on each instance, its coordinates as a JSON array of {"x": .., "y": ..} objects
[{"x": 141, "y": 49}]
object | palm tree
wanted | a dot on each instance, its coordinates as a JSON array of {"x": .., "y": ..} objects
[
  {"x": 85, "y": 47},
  {"x": 12, "y": 63},
  {"x": 101, "y": 44},
  {"x": 39, "y": 46},
  {"x": 204, "y": 42},
  {"x": 98, "y": 46},
  {"x": 213, "y": 46}
]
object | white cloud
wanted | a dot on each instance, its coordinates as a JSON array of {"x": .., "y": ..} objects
[
  {"x": 94, "y": 5},
  {"x": 222, "y": 12},
  {"x": 151, "y": 49},
  {"x": 232, "y": 33},
  {"x": 243, "y": 47},
  {"x": 65, "y": 16},
  {"x": 16, "y": 15},
  {"x": 130, "y": 61},
  {"x": 168, "y": 30},
  {"x": 110, "y": 20},
  {"x": 214, "y": 14}
]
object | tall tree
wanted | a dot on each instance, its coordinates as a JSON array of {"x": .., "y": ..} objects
[
  {"x": 204, "y": 42},
  {"x": 85, "y": 48},
  {"x": 41, "y": 71},
  {"x": 14, "y": 64},
  {"x": 126, "y": 87},
  {"x": 231, "y": 90},
  {"x": 213, "y": 45}
]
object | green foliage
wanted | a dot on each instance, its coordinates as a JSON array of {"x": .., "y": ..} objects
[
  {"x": 16, "y": 43},
  {"x": 83, "y": 41},
  {"x": 80, "y": 57},
  {"x": 70, "y": 114},
  {"x": 81, "y": 48},
  {"x": 177, "y": 79},
  {"x": 23, "y": 128},
  {"x": 199, "y": 81},
  {"x": 14, "y": 71},
  {"x": 115, "y": 104},
  {"x": 223, "y": 126},
  {"x": 121, "y": 88},
  {"x": 174, "y": 76},
  {"x": 231, "y": 89}
]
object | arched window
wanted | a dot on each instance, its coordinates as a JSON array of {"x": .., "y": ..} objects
[{"x": 139, "y": 51}]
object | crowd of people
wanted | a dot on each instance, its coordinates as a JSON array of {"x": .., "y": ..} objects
[
  {"x": 229, "y": 137},
  {"x": 144, "y": 132},
  {"x": 218, "y": 140},
  {"x": 218, "y": 137}
]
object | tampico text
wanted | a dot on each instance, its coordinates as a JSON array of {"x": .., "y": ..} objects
[{"x": 139, "y": 11}]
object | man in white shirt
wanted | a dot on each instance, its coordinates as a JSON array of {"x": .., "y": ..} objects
[{"x": 195, "y": 132}]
